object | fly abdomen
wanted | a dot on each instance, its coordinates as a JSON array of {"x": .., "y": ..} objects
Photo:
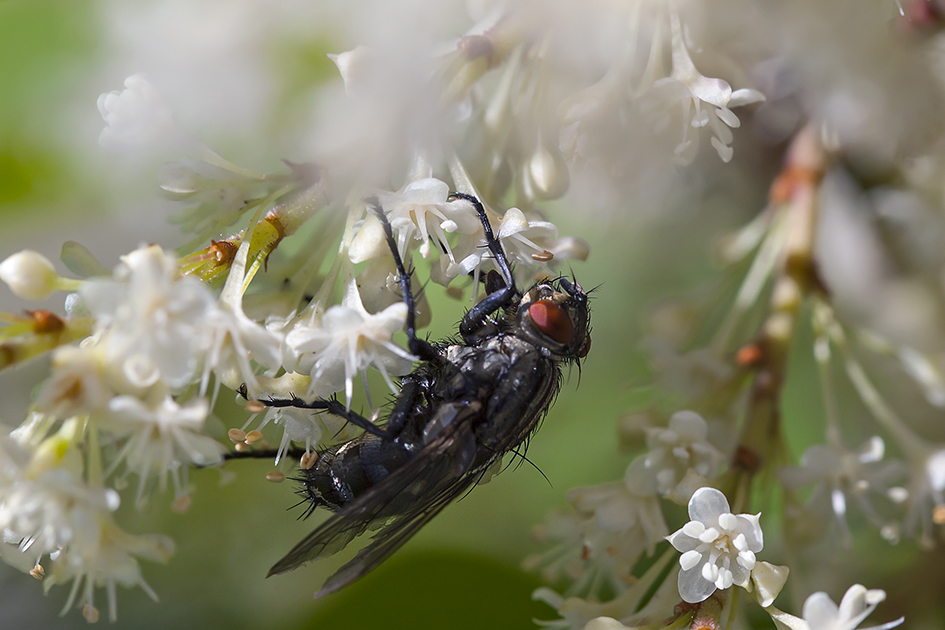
[{"x": 344, "y": 472}]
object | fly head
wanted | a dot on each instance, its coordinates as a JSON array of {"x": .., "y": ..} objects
[{"x": 554, "y": 314}]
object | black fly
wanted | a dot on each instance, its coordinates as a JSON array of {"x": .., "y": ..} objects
[{"x": 468, "y": 402}]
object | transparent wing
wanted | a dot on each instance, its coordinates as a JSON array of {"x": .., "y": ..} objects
[{"x": 398, "y": 506}]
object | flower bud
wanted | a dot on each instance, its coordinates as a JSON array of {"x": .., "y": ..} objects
[
  {"x": 548, "y": 173},
  {"x": 29, "y": 275}
]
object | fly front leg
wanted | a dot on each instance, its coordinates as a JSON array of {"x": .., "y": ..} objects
[
  {"x": 333, "y": 407},
  {"x": 476, "y": 323}
]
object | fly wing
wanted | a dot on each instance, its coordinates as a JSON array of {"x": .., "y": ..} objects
[
  {"x": 393, "y": 536},
  {"x": 402, "y": 503}
]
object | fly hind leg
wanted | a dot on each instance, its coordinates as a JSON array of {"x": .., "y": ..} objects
[{"x": 333, "y": 407}]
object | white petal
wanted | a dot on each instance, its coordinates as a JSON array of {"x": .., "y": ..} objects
[
  {"x": 768, "y": 580},
  {"x": 750, "y": 526},
  {"x": 728, "y": 117},
  {"x": 820, "y": 611},
  {"x": 513, "y": 222},
  {"x": 693, "y": 528},
  {"x": 690, "y": 560},
  {"x": 693, "y": 588},
  {"x": 707, "y": 504},
  {"x": 690, "y": 424},
  {"x": 745, "y": 96},
  {"x": 682, "y": 542},
  {"x": 728, "y": 521}
]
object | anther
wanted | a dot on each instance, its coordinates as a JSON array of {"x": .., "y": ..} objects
[{"x": 308, "y": 460}]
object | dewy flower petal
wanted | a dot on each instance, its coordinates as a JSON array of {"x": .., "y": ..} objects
[{"x": 726, "y": 545}]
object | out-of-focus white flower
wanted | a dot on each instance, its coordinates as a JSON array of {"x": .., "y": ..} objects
[
  {"x": 926, "y": 490},
  {"x": 160, "y": 439},
  {"x": 858, "y": 602},
  {"x": 674, "y": 452},
  {"x": 78, "y": 383},
  {"x": 219, "y": 194},
  {"x": 351, "y": 65},
  {"x": 839, "y": 473},
  {"x": 345, "y": 341},
  {"x": 44, "y": 504},
  {"x": 693, "y": 374},
  {"x": 718, "y": 547},
  {"x": 153, "y": 324},
  {"x": 104, "y": 556},
  {"x": 138, "y": 117},
  {"x": 30, "y": 275},
  {"x": 704, "y": 101},
  {"x": 605, "y": 623},
  {"x": 597, "y": 544}
]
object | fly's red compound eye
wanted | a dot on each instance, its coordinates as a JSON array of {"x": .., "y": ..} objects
[{"x": 551, "y": 320}]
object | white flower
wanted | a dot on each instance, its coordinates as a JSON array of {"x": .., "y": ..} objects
[
  {"x": 161, "y": 439},
  {"x": 44, "y": 503},
  {"x": 718, "y": 547},
  {"x": 29, "y": 275},
  {"x": 926, "y": 486},
  {"x": 303, "y": 426},
  {"x": 526, "y": 242},
  {"x": 597, "y": 544},
  {"x": 137, "y": 117},
  {"x": 78, "y": 383},
  {"x": 347, "y": 340},
  {"x": 421, "y": 211},
  {"x": 233, "y": 339},
  {"x": 821, "y": 613},
  {"x": 689, "y": 89},
  {"x": 103, "y": 556},
  {"x": 841, "y": 473},
  {"x": 154, "y": 325},
  {"x": 675, "y": 451}
]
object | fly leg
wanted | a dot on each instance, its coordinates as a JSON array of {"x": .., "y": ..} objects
[
  {"x": 476, "y": 323},
  {"x": 333, "y": 407},
  {"x": 420, "y": 347}
]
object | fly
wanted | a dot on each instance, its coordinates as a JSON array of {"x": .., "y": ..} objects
[{"x": 468, "y": 402}]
